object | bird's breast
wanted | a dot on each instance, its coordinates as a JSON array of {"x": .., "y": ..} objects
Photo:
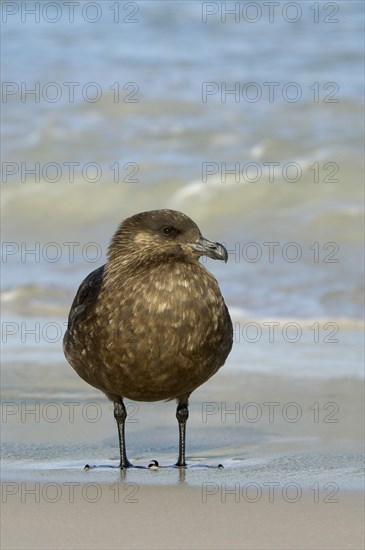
[
  {"x": 169, "y": 309},
  {"x": 157, "y": 335}
]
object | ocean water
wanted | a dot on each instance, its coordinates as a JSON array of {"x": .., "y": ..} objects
[{"x": 251, "y": 123}]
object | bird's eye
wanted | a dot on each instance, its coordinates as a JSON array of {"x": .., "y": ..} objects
[{"x": 167, "y": 230}]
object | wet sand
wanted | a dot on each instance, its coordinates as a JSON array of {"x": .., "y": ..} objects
[{"x": 292, "y": 451}]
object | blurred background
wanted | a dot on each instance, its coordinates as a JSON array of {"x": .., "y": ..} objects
[{"x": 250, "y": 122}]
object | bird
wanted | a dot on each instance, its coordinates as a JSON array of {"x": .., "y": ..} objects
[{"x": 151, "y": 324}]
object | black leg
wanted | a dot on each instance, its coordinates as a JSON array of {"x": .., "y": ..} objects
[
  {"x": 120, "y": 415},
  {"x": 182, "y": 414}
]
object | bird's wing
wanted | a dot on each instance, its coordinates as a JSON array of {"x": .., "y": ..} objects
[{"x": 86, "y": 295}]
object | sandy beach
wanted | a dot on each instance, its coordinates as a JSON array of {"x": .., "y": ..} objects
[
  {"x": 176, "y": 517},
  {"x": 285, "y": 484}
]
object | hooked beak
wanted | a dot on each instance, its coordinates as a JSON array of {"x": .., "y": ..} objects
[{"x": 204, "y": 247}]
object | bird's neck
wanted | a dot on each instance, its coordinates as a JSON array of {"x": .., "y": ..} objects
[{"x": 122, "y": 267}]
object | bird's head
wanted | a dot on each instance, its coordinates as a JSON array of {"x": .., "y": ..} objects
[{"x": 158, "y": 234}]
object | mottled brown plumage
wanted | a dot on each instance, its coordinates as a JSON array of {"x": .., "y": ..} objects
[{"x": 151, "y": 324}]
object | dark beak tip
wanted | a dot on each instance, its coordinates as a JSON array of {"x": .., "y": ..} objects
[{"x": 222, "y": 252}]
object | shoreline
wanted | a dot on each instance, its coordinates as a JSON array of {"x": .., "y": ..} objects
[{"x": 292, "y": 476}]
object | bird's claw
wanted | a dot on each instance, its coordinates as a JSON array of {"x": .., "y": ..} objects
[{"x": 153, "y": 465}]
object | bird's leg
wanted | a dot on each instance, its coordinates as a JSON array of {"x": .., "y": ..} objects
[
  {"x": 182, "y": 414},
  {"x": 120, "y": 415}
]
